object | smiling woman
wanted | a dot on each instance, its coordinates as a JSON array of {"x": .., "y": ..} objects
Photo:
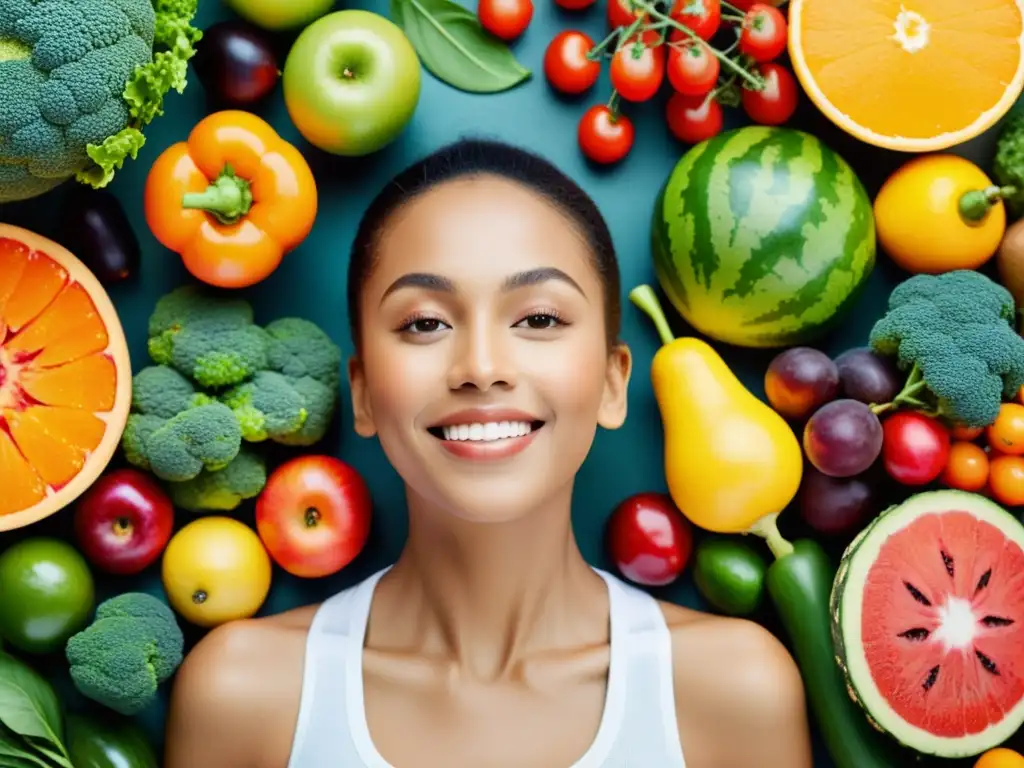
[{"x": 484, "y": 302}]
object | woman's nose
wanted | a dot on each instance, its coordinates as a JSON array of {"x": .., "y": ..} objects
[{"x": 482, "y": 360}]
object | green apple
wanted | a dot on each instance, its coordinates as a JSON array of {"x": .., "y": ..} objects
[
  {"x": 351, "y": 82},
  {"x": 279, "y": 15}
]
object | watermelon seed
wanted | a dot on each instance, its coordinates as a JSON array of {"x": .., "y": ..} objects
[
  {"x": 933, "y": 675},
  {"x": 983, "y": 581},
  {"x": 986, "y": 662},
  {"x": 916, "y": 593},
  {"x": 916, "y": 634},
  {"x": 996, "y": 621},
  {"x": 948, "y": 562}
]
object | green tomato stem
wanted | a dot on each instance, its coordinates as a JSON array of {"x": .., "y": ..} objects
[
  {"x": 227, "y": 199},
  {"x": 644, "y": 297},
  {"x": 755, "y": 82},
  {"x": 976, "y": 203}
]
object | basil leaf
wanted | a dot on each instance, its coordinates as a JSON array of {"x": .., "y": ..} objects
[
  {"x": 455, "y": 48},
  {"x": 28, "y": 703},
  {"x": 15, "y": 752}
]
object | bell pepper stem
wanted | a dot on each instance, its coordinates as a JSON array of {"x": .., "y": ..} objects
[
  {"x": 227, "y": 199},
  {"x": 976, "y": 203},
  {"x": 644, "y": 297},
  {"x": 768, "y": 529}
]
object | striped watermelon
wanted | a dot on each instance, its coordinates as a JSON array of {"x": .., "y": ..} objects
[{"x": 762, "y": 236}]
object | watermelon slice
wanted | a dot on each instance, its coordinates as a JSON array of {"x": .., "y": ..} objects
[{"x": 928, "y": 622}]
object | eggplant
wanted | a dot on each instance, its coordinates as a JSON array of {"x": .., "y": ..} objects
[
  {"x": 236, "y": 64},
  {"x": 94, "y": 226}
]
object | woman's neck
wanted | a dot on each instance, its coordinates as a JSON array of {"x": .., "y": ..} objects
[{"x": 487, "y": 595}]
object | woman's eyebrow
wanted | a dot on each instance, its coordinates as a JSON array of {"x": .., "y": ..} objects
[{"x": 440, "y": 284}]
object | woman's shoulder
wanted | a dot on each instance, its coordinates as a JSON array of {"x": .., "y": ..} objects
[
  {"x": 240, "y": 673},
  {"x": 736, "y": 685}
]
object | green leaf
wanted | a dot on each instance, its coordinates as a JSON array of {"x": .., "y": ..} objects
[
  {"x": 455, "y": 48},
  {"x": 16, "y": 752},
  {"x": 57, "y": 756},
  {"x": 28, "y": 704}
]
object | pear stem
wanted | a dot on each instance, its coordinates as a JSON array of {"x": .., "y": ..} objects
[
  {"x": 768, "y": 529},
  {"x": 645, "y": 298}
]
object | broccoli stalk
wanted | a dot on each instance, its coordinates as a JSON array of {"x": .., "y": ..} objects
[
  {"x": 954, "y": 334},
  {"x": 1008, "y": 165},
  {"x": 132, "y": 646}
]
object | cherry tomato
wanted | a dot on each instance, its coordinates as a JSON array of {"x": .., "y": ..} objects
[
  {"x": 603, "y": 136},
  {"x": 764, "y": 33},
  {"x": 620, "y": 14},
  {"x": 960, "y": 432},
  {"x": 637, "y": 70},
  {"x": 692, "y": 69},
  {"x": 566, "y": 64},
  {"x": 915, "y": 447},
  {"x": 693, "y": 119},
  {"x": 1006, "y": 480},
  {"x": 1006, "y": 433},
  {"x": 776, "y": 102},
  {"x": 649, "y": 539},
  {"x": 966, "y": 468},
  {"x": 704, "y": 17},
  {"x": 574, "y": 5},
  {"x": 507, "y": 19}
]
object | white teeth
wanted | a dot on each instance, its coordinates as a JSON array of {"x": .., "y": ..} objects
[{"x": 492, "y": 430}]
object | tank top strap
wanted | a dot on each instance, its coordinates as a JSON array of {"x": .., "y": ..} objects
[{"x": 650, "y": 724}]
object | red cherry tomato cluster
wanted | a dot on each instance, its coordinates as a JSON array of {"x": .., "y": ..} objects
[{"x": 651, "y": 44}]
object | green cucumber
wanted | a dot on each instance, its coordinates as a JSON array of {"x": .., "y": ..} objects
[{"x": 800, "y": 585}]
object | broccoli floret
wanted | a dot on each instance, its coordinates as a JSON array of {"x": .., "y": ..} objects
[
  {"x": 132, "y": 646},
  {"x": 211, "y": 339},
  {"x": 267, "y": 407},
  {"x": 1008, "y": 164},
  {"x": 224, "y": 490},
  {"x": 955, "y": 334},
  {"x": 179, "y": 448},
  {"x": 161, "y": 391},
  {"x": 320, "y": 404},
  {"x": 79, "y": 79},
  {"x": 300, "y": 348}
]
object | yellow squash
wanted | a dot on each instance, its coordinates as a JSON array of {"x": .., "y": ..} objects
[{"x": 732, "y": 464}]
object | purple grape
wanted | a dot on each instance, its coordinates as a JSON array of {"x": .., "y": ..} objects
[
  {"x": 843, "y": 438},
  {"x": 799, "y": 381},
  {"x": 835, "y": 506},
  {"x": 866, "y": 376}
]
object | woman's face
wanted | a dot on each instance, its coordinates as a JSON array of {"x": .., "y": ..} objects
[{"x": 484, "y": 367}]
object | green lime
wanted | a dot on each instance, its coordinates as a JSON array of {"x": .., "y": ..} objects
[
  {"x": 730, "y": 574},
  {"x": 47, "y": 594}
]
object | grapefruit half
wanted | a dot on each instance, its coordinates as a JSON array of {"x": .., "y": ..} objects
[
  {"x": 914, "y": 77},
  {"x": 65, "y": 378},
  {"x": 928, "y": 622}
]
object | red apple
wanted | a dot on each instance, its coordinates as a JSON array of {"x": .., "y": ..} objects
[
  {"x": 649, "y": 540},
  {"x": 123, "y": 522},
  {"x": 314, "y": 515}
]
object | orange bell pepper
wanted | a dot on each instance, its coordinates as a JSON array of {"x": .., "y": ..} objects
[{"x": 232, "y": 200}]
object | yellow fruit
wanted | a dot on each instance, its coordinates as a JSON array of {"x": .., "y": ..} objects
[
  {"x": 914, "y": 77},
  {"x": 215, "y": 570},
  {"x": 938, "y": 213},
  {"x": 1000, "y": 758},
  {"x": 732, "y": 464}
]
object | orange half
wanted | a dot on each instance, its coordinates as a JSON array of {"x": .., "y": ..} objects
[
  {"x": 910, "y": 75},
  {"x": 65, "y": 378}
]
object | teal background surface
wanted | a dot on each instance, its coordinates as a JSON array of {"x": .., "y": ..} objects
[{"x": 311, "y": 282}]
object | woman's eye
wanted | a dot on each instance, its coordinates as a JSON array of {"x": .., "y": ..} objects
[
  {"x": 424, "y": 325},
  {"x": 540, "y": 322}
]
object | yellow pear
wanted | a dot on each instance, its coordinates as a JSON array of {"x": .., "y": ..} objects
[{"x": 732, "y": 464}]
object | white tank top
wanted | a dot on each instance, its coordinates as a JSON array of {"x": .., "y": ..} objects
[{"x": 638, "y": 725}]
